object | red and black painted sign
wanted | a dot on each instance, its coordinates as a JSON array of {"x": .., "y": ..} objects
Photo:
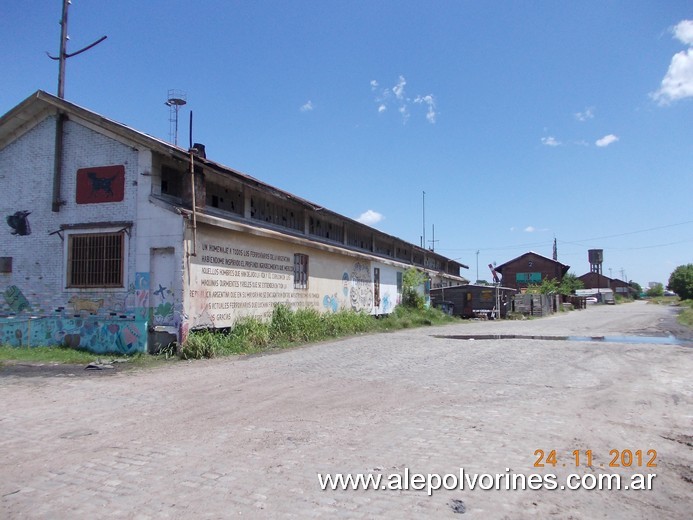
[{"x": 100, "y": 184}]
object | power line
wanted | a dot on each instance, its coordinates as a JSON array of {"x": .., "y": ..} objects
[{"x": 579, "y": 242}]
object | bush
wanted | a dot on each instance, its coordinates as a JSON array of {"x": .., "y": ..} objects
[
  {"x": 287, "y": 327},
  {"x": 411, "y": 281},
  {"x": 655, "y": 291}
]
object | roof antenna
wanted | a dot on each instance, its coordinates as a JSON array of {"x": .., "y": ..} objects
[{"x": 63, "y": 50}]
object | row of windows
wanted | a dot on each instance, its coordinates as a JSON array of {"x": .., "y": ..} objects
[{"x": 269, "y": 210}]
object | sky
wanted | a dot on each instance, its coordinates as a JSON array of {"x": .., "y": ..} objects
[{"x": 492, "y": 127}]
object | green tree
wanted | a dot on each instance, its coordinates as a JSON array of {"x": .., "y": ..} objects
[
  {"x": 412, "y": 279},
  {"x": 681, "y": 281},
  {"x": 655, "y": 291},
  {"x": 547, "y": 286},
  {"x": 570, "y": 284},
  {"x": 636, "y": 288}
]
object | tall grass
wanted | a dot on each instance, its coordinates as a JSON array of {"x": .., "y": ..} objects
[
  {"x": 686, "y": 315},
  {"x": 287, "y": 327}
]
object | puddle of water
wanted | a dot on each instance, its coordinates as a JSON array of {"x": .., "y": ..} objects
[{"x": 652, "y": 340}]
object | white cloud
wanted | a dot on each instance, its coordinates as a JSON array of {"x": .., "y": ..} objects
[
  {"x": 399, "y": 88},
  {"x": 404, "y": 110},
  {"x": 683, "y": 32},
  {"x": 584, "y": 116},
  {"x": 678, "y": 81},
  {"x": 307, "y": 107},
  {"x": 430, "y": 102},
  {"x": 370, "y": 217},
  {"x": 397, "y": 99},
  {"x": 530, "y": 229},
  {"x": 550, "y": 141},
  {"x": 606, "y": 140}
]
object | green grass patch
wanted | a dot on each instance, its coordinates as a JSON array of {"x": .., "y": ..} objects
[
  {"x": 663, "y": 300},
  {"x": 686, "y": 315},
  {"x": 47, "y": 355},
  {"x": 287, "y": 328}
]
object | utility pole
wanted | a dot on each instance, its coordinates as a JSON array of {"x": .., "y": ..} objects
[
  {"x": 477, "y": 266},
  {"x": 62, "y": 58}
]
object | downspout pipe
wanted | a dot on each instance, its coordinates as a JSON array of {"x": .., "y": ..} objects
[
  {"x": 58, "y": 161},
  {"x": 194, "y": 203}
]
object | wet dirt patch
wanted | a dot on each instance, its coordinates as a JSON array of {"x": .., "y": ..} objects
[{"x": 651, "y": 340}]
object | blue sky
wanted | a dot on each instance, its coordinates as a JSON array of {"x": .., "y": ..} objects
[{"x": 521, "y": 121}]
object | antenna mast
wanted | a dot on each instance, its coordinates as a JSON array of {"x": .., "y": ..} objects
[{"x": 175, "y": 100}]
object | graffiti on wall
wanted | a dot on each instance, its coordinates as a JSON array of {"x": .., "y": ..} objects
[
  {"x": 330, "y": 302},
  {"x": 19, "y": 223},
  {"x": 16, "y": 300},
  {"x": 361, "y": 290},
  {"x": 386, "y": 303}
]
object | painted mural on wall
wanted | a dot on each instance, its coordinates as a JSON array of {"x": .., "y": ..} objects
[
  {"x": 16, "y": 299},
  {"x": 100, "y": 184},
  {"x": 386, "y": 303},
  {"x": 19, "y": 223},
  {"x": 93, "y": 333},
  {"x": 99, "y": 322},
  {"x": 361, "y": 290}
]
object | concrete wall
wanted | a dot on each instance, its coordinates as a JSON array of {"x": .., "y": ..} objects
[{"x": 236, "y": 274}]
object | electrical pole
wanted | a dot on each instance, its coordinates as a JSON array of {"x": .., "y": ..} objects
[
  {"x": 62, "y": 58},
  {"x": 477, "y": 266}
]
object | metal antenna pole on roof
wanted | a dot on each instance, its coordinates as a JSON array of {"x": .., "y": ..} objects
[
  {"x": 62, "y": 58},
  {"x": 423, "y": 211}
]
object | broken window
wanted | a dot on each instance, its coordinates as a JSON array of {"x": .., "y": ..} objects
[{"x": 171, "y": 181}]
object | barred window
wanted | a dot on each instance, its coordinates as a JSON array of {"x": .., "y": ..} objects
[
  {"x": 300, "y": 271},
  {"x": 95, "y": 260}
]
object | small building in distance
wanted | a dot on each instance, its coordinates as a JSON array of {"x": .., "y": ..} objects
[
  {"x": 593, "y": 280},
  {"x": 473, "y": 300},
  {"x": 530, "y": 269}
]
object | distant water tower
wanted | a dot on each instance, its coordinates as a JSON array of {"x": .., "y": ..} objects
[
  {"x": 174, "y": 100},
  {"x": 596, "y": 258}
]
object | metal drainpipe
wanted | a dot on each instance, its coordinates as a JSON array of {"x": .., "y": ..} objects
[
  {"x": 194, "y": 204},
  {"x": 58, "y": 161}
]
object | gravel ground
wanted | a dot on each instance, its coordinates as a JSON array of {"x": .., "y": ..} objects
[{"x": 248, "y": 436}]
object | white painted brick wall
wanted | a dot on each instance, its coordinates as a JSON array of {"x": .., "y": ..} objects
[{"x": 26, "y": 181}]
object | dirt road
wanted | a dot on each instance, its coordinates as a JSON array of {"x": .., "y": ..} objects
[{"x": 248, "y": 436}]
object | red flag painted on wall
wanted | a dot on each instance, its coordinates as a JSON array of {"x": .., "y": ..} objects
[{"x": 100, "y": 184}]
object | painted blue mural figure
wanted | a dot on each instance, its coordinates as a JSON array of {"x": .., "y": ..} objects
[{"x": 19, "y": 223}]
